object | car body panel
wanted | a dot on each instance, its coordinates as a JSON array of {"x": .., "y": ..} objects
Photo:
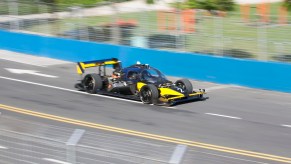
[
  {"x": 140, "y": 85},
  {"x": 169, "y": 91}
]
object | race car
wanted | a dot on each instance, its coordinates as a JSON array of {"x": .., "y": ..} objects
[{"x": 138, "y": 82}]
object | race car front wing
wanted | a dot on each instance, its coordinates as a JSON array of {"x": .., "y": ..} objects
[{"x": 196, "y": 95}]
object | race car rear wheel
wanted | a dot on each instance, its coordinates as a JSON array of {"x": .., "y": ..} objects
[
  {"x": 92, "y": 83},
  {"x": 185, "y": 85},
  {"x": 149, "y": 94}
]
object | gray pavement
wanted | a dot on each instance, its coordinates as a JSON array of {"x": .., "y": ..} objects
[
  {"x": 24, "y": 139},
  {"x": 233, "y": 116}
]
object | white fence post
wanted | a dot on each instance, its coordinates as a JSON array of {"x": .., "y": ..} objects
[
  {"x": 71, "y": 145},
  {"x": 178, "y": 154},
  {"x": 13, "y": 12},
  {"x": 262, "y": 40}
]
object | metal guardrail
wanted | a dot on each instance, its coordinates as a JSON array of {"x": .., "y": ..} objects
[
  {"x": 28, "y": 142},
  {"x": 157, "y": 28}
]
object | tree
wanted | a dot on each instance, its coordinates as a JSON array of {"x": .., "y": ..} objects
[
  {"x": 150, "y": 1},
  {"x": 212, "y": 5},
  {"x": 49, "y": 1},
  {"x": 225, "y": 5},
  {"x": 287, "y": 4},
  {"x": 209, "y": 5},
  {"x": 192, "y": 4}
]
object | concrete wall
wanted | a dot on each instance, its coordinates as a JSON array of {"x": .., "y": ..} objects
[{"x": 250, "y": 73}]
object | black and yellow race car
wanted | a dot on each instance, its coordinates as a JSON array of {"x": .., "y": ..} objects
[{"x": 138, "y": 82}]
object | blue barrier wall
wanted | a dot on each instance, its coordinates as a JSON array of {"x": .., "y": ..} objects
[{"x": 250, "y": 73}]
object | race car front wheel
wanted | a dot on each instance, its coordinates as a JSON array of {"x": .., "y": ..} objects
[
  {"x": 92, "y": 83},
  {"x": 185, "y": 85},
  {"x": 149, "y": 94}
]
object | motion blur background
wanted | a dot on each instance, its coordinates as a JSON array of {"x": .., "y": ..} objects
[{"x": 256, "y": 29}]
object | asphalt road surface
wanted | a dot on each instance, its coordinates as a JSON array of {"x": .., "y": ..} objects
[{"x": 235, "y": 122}]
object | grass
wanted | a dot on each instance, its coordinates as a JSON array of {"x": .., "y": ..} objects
[
  {"x": 213, "y": 34},
  {"x": 239, "y": 35},
  {"x": 25, "y": 7}
]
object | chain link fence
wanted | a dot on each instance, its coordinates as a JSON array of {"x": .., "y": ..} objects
[{"x": 157, "y": 26}]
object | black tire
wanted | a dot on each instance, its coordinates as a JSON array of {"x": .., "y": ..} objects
[
  {"x": 92, "y": 83},
  {"x": 185, "y": 85},
  {"x": 149, "y": 94}
]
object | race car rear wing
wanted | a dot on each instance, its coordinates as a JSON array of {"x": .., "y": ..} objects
[{"x": 81, "y": 66}]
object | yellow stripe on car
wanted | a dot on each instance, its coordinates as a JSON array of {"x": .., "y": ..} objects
[
  {"x": 81, "y": 66},
  {"x": 168, "y": 91},
  {"x": 140, "y": 85},
  {"x": 196, "y": 93},
  {"x": 79, "y": 70}
]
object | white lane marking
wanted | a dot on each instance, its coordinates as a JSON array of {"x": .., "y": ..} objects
[
  {"x": 2, "y": 147},
  {"x": 55, "y": 161},
  {"x": 217, "y": 87},
  {"x": 65, "y": 89},
  {"x": 219, "y": 115},
  {"x": 70, "y": 90},
  {"x": 31, "y": 72},
  {"x": 34, "y": 64},
  {"x": 210, "y": 89},
  {"x": 29, "y": 59},
  {"x": 289, "y": 126},
  {"x": 171, "y": 107}
]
